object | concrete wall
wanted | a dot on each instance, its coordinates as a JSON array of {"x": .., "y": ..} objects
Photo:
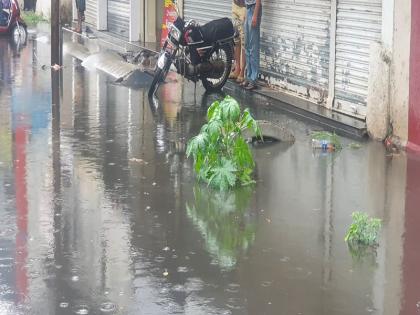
[
  {"x": 44, "y": 7},
  {"x": 400, "y": 71},
  {"x": 388, "y": 93},
  {"x": 377, "y": 115}
]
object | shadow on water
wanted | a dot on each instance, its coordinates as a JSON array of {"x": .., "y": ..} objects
[{"x": 101, "y": 212}]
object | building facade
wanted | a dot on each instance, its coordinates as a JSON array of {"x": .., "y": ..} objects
[
  {"x": 350, "y": 56},
  {"x": 132, "y": 20}
]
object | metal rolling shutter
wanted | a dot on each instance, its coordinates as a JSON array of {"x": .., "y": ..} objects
[
  {"x": 119, "y": 17},
  {"x": 204, "y": 11},
  {"x": 358, "y": 25},
  {"x": 295, "y": 46},
  {"x": 91, "y": 12}
]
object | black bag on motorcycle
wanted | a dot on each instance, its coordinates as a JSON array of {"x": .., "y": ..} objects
[
  {"x": 207, "y": 34},
  {"x": 217, "y": 30}
]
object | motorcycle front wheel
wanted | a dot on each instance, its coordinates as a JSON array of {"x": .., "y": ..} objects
[
  {"x": 223, "y": 53},
  {"x": 160, "y": 76}
]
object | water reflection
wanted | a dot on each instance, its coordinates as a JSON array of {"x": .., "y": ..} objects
[
  {"x": 101, "y": 212},
  {"x": 225, "y": 221}
]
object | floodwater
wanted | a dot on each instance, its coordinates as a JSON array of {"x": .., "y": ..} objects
[{"x": 101, "y": 213}]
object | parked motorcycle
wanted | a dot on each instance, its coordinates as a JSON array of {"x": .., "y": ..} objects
[
  {"x": 197, "y": 52},
  {"x": 11, "y": 22}
]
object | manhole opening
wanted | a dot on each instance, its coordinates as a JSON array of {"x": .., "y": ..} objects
[{"x": 265, "y": 141}]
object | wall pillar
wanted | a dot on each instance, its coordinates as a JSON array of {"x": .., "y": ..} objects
[
  {"x": 136, "y": 20},
  {"x": 151, "y": 21},
  {"x": 102, "y": 18},
  {"x": 399, "y": 71},
  {"x": 414, "y": 93}
]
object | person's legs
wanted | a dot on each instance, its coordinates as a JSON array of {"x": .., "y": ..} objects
[
  {"x": 253, "y": 61},
  {"x": 241, "y": 53},
  {"x": 81, "y": 7},
  {"x": 238, "y": 17},
  {"x": 248, "y": 31},
  {"x": 243, "y": 65}
]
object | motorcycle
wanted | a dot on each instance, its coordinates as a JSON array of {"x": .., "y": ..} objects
[
  {"x": 11, "y": 22},
  {"x": 197, "y": 52}
]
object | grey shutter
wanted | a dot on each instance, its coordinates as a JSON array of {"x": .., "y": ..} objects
[
  {"x": 295, "y": 46},
  {"x": 358, "y": 25},
  {"x": 119, "y": 17},
  {"x": 204, "y": 11},
  {"x": 91, "y": 13}
]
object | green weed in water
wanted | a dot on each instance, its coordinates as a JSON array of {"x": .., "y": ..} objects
[
  {"x": 33, "y": 18},
  {"x": 331, "y": 137},
  {"x": 222, "y": 158},
  {"x": 364, "y": 230},
  {"x": 354, "y": 145}
]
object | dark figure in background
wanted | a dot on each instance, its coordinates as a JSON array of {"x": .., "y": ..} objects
[
  {"x": 81, "y": 7},
  {"x": 29, "y": 5}
]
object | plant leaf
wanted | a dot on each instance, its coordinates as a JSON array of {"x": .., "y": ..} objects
[
  {"x": 213, "y": 110},
  {"x": 224, "y": 176},
  {"x": 230, "y": 109},
  {"x": 242, "y": 154},
  {"x": 197, "y": 144},
  {"x": 214, "y": 127}
]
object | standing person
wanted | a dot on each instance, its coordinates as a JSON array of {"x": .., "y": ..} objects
[
  {"x": 81, "y": 7},
  {"x": 238, "y": 18},
  {"x": 252, "y": 42}
]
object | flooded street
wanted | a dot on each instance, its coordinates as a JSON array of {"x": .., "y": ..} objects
[{"x": 101, "y": 212}]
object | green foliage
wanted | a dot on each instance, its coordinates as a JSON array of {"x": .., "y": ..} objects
[
  {"x": 223, "y": 220},
  {"x": 354, "y": 145},
  {"x": 364, "y": 230},
  {"x": 331, "y": 137},
  {"x": 32, "y": 18},
  {"x": 222, "y": 158}
]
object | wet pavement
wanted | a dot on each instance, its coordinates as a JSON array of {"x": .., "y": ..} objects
[{"x": 101, "y": 213}]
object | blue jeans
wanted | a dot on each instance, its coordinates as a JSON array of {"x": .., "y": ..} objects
[{"x": 252, "y": 45}]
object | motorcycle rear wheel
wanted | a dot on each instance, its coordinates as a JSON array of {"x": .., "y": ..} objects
[{"x": 214, "y": 85}]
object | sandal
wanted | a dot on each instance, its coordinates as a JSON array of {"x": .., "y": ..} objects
[
  {"x": 244, "y": 84},
  {"x": 250, "y": 86},
  {"x": 240, "y": 79}
]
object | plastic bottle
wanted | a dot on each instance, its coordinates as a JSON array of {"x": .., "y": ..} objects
[{"x": 324, "y": 145}]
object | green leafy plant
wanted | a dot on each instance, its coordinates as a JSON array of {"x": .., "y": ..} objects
[
  {"x": 222, "y": 158},
  {"x": 354, "y": 145},
  {"x": 363, "y": 231},
  {"x": 33, "y": 18},
  {"x": 330, "y": 137}
]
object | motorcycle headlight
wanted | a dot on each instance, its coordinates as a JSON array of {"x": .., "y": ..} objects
[{"x": 175, "y": 33}]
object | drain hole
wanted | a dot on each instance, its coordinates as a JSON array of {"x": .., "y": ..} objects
[{"x": 265, "y": 141}]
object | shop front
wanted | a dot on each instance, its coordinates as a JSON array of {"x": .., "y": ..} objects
[{"x": 315, "y": 49}]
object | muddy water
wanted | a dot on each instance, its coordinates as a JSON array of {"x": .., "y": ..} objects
[{"x": 101, "y": 214}]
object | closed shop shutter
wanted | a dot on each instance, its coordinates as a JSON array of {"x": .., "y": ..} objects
[
  {"x": 119, "y": 17},
  {"x": 91, "y": 13},
  {"x": 358, "y": 25},
  {"x": 204, "y": 11},
  {"x": 295, "y": 46}
]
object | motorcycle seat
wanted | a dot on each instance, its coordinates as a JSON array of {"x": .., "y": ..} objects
[{"x": 217, "y": 30}]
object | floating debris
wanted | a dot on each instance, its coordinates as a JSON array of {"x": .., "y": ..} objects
[
  {"x": 354, "y": 145},
  {"x": 141, "y": 161}
]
